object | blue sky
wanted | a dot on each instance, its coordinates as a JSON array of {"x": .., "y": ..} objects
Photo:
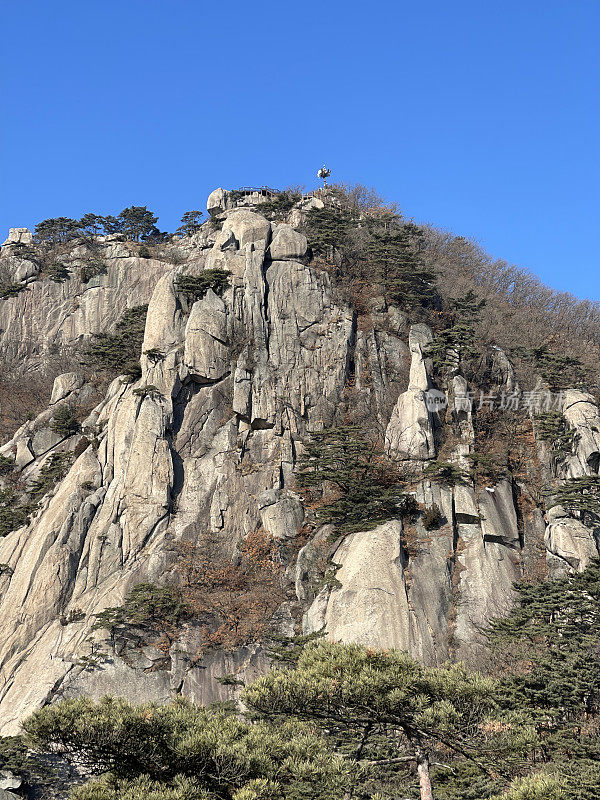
[{"x": 482, "y": 117}]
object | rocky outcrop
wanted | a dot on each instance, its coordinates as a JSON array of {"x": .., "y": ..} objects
[
  {"x": 18, "y": 236},
  {"x": 581, "y": 412},
  {"x": 287, "y": 244},
  {"x": 207, "y": 449},
  {"x": 410, "y": 432},
  {"x": 202, "y": 450},
  {"x": 42, "y": 324}
]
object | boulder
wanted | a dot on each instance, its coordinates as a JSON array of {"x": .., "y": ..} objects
[
  {"x": 298, "y": 214},
  {"x": 581, "y": 412},
  {"x": 9, "y": 780},
  {"x": 19, "y": 236},
  {"x": 217, "y": 202},
  {"x": 23, "y": 456},
  {"x": 247, "y": 227},
  {"x": 65, "y": 384},
  {"x": 25, "y": 269},
  {"x": 281, "y": 513},
  {"x": 570, "y": 540},
  {"x": 44, "y": 440},
  {"x": 288, "y": 244}
]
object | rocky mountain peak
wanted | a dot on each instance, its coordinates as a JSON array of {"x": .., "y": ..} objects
[{"x": 251, "y": 345}]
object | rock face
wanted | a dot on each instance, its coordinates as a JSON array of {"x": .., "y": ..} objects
[
  {"x": 204, "y": 446},
  {"x": 288, "y": 244},
  {"x": 47, "y": 319},
  {"x": 581, "y": 412},
  {"x": 410, "y": 433},
  {"x": 18, "y": 236}
]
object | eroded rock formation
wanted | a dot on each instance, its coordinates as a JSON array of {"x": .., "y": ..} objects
[{"x": 207, "y": 441}]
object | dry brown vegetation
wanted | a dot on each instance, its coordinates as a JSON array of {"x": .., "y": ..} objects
[
  {"x": 232, "y": 600},
  {"x": 520, "y": 310}
]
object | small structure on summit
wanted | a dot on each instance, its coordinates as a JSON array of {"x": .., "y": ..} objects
[
  {"x": 255, "y": 192},
  {"x": 244, "y": 197}
]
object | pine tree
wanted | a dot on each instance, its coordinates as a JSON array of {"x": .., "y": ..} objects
[
  {"x": 91, "y": 224},
  {"x": 457, "y": 342},
  {"x": 553, "y": 428},
  {"x": 119, "y": 352},
  {"x": 185, "y": 752},
  {"x": 196, "y": 286},
  {"x": 64, "y": 421},
  {"x": 550, "y": 642},
  {"x": 56, "y": 230},
  {"x": 327, "y": 228},
  {"x": 578, "y": 496},
  {"x": 379, "y": 707},
  {"x": 547, "y": 651},
  {"x": 137, "y": 222},
  {"x": 368, "y": 487},
  {"x": 394, "y": 260},
  {"x": 559, "y": 371},
  {"x": 191, "y": 222}
]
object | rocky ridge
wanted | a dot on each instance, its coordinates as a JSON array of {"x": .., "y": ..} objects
[{"x": 207, "y": 441}]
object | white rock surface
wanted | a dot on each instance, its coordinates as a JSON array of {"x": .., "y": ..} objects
[
  {"x": 64, "y": 385},
  {"x": 18, "y": 236},
  {"x": 410, "y": 432},
  {"x": 287, "y": 244}
]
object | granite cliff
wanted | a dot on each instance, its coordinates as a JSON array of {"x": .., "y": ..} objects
[{"x": 206, "y": 443}]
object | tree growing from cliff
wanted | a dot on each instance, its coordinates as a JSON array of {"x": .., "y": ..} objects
[
  {"x": 380, "y": 707},
  {"x": 137, "y": 222},
  {"x": 119, "y": 352},
  {"x": 578, "y": 496},
  {"x": 367, "y": 486},
  {"x": 232, "y": 601},
  {"x": 394, "y": 262},
  {"x": 64, "y": 421},
  {"x": 326, "y": 229},
  {"x": 558, "y": 370},
  {"x": 57, "y": 230},
  {"x": 196, "y": 286},
  {"x": 457, "y": 342},
  {"x": 191, "y": 222},
  {"x": 91, "y": 224},
  {"x": 553, "y": 428},
  {"x": 159, "y": 610},
  {"x": 279, "y": 206}
]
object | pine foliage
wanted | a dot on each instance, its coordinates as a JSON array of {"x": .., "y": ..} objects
[
  {"x": 579, "y": 496},
  {"x": 119, "y": 353},
  {"x": 457, "y": 342},
  {"x": 553, "y": 428},
  {"x": 64, "y": 421},
  {"x": 367, "y": 486},
  {"x": 196, "y": 286},
  {"x": 393, "y": 256},
  {"x": 185, "y": 752},
  {"x": 551, "y": 641}
]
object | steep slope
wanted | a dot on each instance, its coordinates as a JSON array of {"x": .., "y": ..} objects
[{"x": 203, "y": 449}]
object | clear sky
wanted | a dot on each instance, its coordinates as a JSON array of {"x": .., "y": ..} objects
[{"x": 480, "y": 116}]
